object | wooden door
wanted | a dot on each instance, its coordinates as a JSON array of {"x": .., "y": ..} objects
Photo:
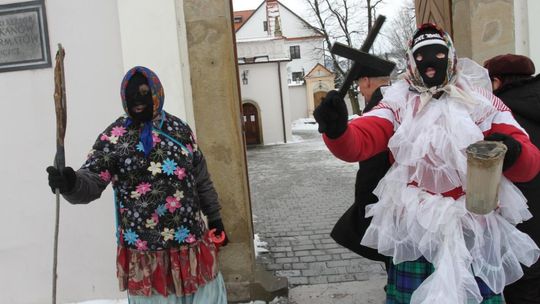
[
  {"x": 251, "y": 124},
  {"x": 435, "y": 11},
  {"x": 317, "y": 98}
]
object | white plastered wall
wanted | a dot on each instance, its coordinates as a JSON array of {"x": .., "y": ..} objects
[
  {"x": 310, "y": 55},
  {"x": 526, "y": 24},
  {"x": 533, "y": 10},
  {"x": 299, "y": 107},
  {"x": 89, "y": 32},
  {"x": 159, "y": 47},
  {"x": 263, "y": 88},
  {"x": 253, "y": 28},
  {"x": 95, "y": 64}
]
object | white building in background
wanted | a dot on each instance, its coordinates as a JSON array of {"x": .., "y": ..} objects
[
  {"x": 276, "y": 48},
  {"x": 102, "y": 39}
]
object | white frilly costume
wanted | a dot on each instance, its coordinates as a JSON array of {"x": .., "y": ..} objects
[{"x": 409, "y": 221}]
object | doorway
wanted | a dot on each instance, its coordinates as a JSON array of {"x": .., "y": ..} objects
[
  {"x": 317, "y": 98},
  {"x": 251, "y": 124}
]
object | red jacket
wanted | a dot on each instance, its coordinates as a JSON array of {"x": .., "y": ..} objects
[{"x": 368, "y": 135}]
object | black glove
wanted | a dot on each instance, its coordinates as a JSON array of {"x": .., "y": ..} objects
[
  {"x": 331, "y": 115},
  {"x": 64, "y": 181},
  {"x": 218, "y": 225},
  {"x": 513, "y": 146}
]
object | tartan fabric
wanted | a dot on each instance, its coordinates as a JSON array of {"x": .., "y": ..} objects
[{"x": 404, "y": 279}]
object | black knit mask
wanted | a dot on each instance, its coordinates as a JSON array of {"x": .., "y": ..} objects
[
  {"x": 432, "y": 63},
  {"x": 139, "y": 99}
]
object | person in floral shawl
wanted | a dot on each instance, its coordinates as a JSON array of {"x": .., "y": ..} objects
[{"x": 161, "y": 184}]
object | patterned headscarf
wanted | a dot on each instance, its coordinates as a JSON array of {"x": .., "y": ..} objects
[
  {"x": 415, "y": 80},
  {"x": 158, "y": 98}
]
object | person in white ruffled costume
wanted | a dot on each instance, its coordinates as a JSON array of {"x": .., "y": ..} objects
[{"x": 441, "y": 253}]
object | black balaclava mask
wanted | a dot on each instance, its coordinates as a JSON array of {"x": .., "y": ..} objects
[
  {"x": 139, "y": 98},
  {"x": 428, "y": 45}
]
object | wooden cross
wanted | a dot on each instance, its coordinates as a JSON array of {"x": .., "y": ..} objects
[{"x": 360, "y": 56}]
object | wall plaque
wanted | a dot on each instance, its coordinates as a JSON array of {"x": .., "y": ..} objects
[{"x": 24, "y": 42}]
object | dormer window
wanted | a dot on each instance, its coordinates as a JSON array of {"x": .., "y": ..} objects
[{"x": 237, "y": 19}]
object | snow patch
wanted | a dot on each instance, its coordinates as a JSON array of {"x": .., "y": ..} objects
[
  {"x": 259, "y": 245},
  {"x": 295, "y": 139},
  {"x": 274, "y": 301},
  {"x": 304, "y": 124}
]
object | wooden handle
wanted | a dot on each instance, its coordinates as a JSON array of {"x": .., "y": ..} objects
[{"x": 365, "y": 48}]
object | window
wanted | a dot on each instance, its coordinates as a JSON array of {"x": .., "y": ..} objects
[
  {"x": 265, "y": 26},
  {"x": 297, "y": 76},
  {"x": 295, "y": 51},
  {"x": 237, "y": 19}
]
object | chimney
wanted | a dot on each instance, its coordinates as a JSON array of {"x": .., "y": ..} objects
[{"x": 273, "y": 18}]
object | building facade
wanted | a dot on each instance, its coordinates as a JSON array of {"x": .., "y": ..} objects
[{"x": 273, "y": 33}]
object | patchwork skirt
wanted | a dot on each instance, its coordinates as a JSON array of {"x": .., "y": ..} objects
[{"x": 174, "y": 275}]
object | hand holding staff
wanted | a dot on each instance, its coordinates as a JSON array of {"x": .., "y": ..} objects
[{"x": 59, "y": 159}]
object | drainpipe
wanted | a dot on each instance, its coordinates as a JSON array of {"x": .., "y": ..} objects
[{"x": 281, "y": 101}]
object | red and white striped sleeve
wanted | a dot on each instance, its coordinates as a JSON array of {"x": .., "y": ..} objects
[
  {"x": 365, "y": 136},
  {"x": 527, "y": 165}
]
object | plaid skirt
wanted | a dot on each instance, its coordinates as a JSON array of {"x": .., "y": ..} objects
[{"x": 406, "y": 277}]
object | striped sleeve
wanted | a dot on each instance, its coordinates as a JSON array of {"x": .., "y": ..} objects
[
  {"x": 384, "y": 110},
  {"x": 365, "y": 136}
]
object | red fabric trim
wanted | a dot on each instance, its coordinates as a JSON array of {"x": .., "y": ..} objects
[{"x": 454, "y": 193}]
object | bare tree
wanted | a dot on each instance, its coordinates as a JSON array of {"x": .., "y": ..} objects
[
  {"x": 371, "y": 6},
  {"x": 343, "y": 21},
  {"x": 398, "y": 34}
]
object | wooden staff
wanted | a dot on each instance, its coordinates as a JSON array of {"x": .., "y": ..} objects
[{"x": 59, "y": 158}]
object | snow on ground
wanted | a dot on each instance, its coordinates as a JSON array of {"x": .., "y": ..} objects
[
  {"x": 259, "y": 245},
  {"x": 308, "y": 124},
  {"x": 304, "y": 124},
  {"x": 295, "y": 139}
]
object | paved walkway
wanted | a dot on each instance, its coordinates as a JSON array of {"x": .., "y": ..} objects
[{"x": 298, "y": 192}]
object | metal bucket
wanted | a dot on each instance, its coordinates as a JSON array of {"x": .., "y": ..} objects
[{"x": 484, "y": 171}]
